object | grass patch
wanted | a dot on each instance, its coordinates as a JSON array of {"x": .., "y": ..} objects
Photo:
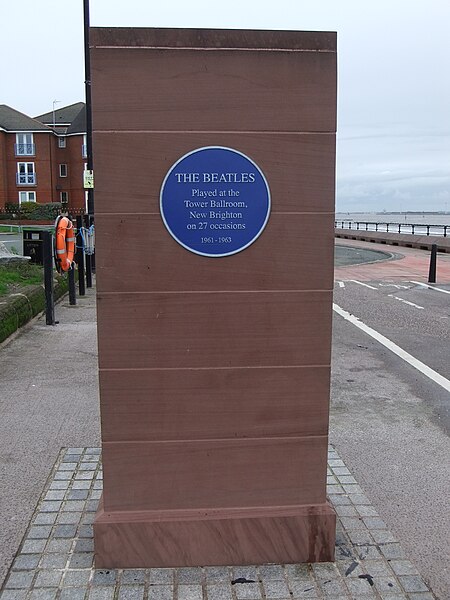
[
  {"x": 16, "y": 276},
  {"x": 19, "y": 308}
]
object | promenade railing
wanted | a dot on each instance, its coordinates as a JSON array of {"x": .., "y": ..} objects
[{"x": 407, "y": 228}]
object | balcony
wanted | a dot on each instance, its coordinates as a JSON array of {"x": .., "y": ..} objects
[
  {"x": 26, "y": 179},
  {"x": 25, "y": 149},
  {"x": 84, "y": 151}
]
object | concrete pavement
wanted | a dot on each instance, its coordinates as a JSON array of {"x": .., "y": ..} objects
[{"x": 49, "y": 401}]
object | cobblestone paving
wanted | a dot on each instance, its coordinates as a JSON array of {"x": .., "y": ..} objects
[{"x": 55, "y": 560}]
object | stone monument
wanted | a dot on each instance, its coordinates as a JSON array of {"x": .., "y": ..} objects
[{"x": 214, "y": 156}]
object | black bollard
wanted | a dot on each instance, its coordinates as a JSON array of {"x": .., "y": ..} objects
[
  {"x": 47, "y": 240},
  {"x": 88, "y": 270},
  {"x": 93, "y": 262},
  {"x": 72, "y": 290},
  {"x": 432, "y": 272},
  {"x": 80, "y": 258}
]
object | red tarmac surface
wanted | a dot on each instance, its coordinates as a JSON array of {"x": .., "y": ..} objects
[{"x": 410, "y": 264}]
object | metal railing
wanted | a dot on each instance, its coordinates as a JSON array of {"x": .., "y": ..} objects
[
  {"x": 26, "y": 179},
  {"x": 25, "y": 149},
  {"x": 407, "y": 228}
]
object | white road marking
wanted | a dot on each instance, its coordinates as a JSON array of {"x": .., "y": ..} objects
[
  {"x": 341, "y": 284},
  {"x": 387, "y": 343},
  {"x": 405, "y": 301},
  {"x": 431, "y": 287},
  {"x": 396, "y": 285},
  {"x": 364, "y": 284}
]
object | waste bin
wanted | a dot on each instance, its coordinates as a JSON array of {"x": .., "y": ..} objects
[{"x": 32, "y": 246}]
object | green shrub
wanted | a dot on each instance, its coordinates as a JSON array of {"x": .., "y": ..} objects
[
  {"x": 11, "y": 211},
  {"x": 32, "y": 211},
  {"x": 46, "y": 212},
  {"x": 26, "y": 208},
  {"x": 12, "y": 207}
]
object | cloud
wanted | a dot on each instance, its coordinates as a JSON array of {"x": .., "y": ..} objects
[{"x": 393, "y": 169}]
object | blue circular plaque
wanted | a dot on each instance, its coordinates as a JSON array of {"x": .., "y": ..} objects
[{"x": 215, "y": 201}]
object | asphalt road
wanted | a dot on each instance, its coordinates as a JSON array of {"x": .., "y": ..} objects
[
  {"x": 389, "y": 421},
  {"x": 346, "y": 255},
  {"x": 13, "y": 242}
]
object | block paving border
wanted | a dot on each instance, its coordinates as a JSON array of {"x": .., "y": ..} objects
[{"x": 56, "y": 558}]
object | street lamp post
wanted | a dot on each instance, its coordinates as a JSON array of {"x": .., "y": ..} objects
[{"x": 87, "y": 83}]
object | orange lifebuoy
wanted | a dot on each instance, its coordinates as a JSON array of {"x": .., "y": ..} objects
[{"x": 65, "y": 243}]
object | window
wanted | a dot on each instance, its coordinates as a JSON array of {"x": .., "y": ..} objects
[
  {"x": 64, "y": 197},
  {"x": 84, "y": 147},
  {"x": 61, "y": 142},
  {"x": 25, "y": 174},
  {"x": 27, "y": 197},
  {"x": 24, "y": 144},
  {"x": 63, "y": 170}
]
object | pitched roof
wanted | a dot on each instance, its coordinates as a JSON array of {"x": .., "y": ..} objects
[
  {"x": 13, "y": 120},
  {"x": 63, "y": 116},
  {"x": 79, "y": 123}
]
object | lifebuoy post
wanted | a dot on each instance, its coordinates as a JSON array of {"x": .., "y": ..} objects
[
  {"x": 88, "y": 257},
  {"x": 80, "y": 258},
  {"x": 47, "y": 241}
]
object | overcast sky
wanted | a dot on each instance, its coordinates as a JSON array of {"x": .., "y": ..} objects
[{"x": 394, "y": 77}]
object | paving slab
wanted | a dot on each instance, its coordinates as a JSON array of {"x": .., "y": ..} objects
[{"x": 56, "y": 559}]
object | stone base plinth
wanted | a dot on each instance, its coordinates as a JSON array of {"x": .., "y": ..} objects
[{"x": 214, "y": 537}]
